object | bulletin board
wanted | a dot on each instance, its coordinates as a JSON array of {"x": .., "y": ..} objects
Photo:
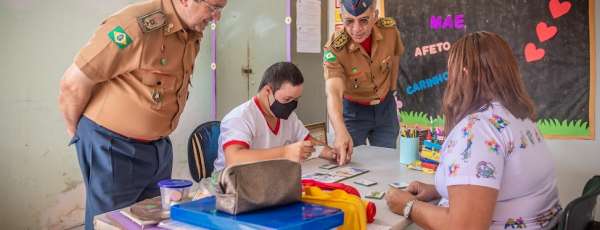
[{"x": 553, "y": 41}]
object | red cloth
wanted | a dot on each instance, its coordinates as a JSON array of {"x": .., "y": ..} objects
[
  {"x": 371, "y": 211},
  {"x": 366, "y": 44},
  {"x": 371, "y": 208},
  {"x": 331, "y": 186}
]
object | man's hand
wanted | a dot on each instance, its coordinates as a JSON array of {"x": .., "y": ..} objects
[
  {"x": 298, "y": 151},
  {"x": 334, "y": 88},
  {"x": 71, "y": 131},
  {"x": 75, "y": 92},
  {"x": 343, "y": 146}
]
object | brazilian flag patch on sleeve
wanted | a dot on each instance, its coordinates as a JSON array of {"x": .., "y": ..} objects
[
  {"x": 328, "y": 56},
  {"x": 119, "y": 37}
]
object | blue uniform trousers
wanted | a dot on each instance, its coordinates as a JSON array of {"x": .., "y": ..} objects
[
  {"x": 377, "y": 123},
  {"x": 118, "y": 171}
]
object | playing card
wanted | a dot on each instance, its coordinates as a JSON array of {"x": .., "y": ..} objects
[
  {"x": 329, "y": 166},
  {"x": 399, "y": 185},
  {"x": 349, "y": 172},
  {"x": 323, "y": 177},
  {"x": 375, "y": 195},
  {"x": 365, "y": 182}
]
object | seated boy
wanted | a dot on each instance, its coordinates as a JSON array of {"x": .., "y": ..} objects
[{"x": 266, "y": 127}]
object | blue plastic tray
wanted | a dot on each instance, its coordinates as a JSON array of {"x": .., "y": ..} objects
[{"x": 299, "y": 215}]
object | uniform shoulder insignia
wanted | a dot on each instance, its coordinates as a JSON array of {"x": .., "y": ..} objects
[
  {"x": 120, "y": 37},
  {"x": 340, "y": 38},
  {"x": 152, "y": 21},
  {"x": 386, "y": 22}
]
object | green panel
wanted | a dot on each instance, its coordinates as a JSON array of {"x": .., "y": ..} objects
[
  {"x": 249, "y": 32},
  {"x": 312, "y": 107}
]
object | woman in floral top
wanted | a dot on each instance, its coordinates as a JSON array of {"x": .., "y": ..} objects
[{"x": 496, "y": 171}]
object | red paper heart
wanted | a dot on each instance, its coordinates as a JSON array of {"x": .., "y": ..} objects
[
  {"x": 558, "y": 8},
  {"x": 533, "y": 53},
  {"x": 545, "y": 32}
]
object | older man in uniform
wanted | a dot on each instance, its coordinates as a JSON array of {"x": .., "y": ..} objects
[
  {"x": 361, "y": 66},
  {"x": 123, "y": 96}
]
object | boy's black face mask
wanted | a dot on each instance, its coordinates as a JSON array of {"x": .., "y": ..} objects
[{"x": 281, "y": 110}]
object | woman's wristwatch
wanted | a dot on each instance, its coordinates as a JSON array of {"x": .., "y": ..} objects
[{"x": 408, "y": 208}]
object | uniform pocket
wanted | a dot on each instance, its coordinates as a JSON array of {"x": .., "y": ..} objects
[
  {"x": 157, "y": 79},
  {"x": 158, "y": 85},
  {"x": 386, "y": 65},
  {"x": 358, "y": 81}
]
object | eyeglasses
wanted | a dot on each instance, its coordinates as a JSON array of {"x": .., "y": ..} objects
[
  {"x": 212, "y": 8},
  {"x": 362, "y": 22}
]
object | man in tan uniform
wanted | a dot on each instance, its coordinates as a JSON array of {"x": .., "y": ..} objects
[
  {"x": 124, "y": 94},
  {"x": 361, "y": 65}
]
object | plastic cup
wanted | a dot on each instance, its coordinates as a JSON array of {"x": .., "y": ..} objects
[
  {"x": 174, "y": 191},
  {"x": 409, "y": 150}
]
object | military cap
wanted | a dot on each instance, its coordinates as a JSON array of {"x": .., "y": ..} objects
[{"x": 356, "y": 7}]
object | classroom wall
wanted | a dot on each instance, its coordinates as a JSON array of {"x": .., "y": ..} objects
[
  {"x": 41, "y": 185},
  {"x": 575, "y": 161}
]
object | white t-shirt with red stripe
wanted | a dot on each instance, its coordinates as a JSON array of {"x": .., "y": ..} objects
[{"x": 246, "y": 125}]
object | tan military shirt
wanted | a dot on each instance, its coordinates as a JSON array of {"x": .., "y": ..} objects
[
  {"x": 368, "y": 79},
  {"x": 142, "y": 59}
]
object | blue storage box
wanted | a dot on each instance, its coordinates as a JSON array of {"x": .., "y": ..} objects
[
  {"x": 299, "y": 215},
  {"x": 432, "y": 146}
]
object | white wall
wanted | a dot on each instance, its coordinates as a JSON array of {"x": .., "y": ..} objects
[{"x": 41, "y": 185}]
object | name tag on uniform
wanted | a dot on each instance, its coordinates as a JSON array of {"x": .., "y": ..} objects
[{"x": 152, "y": 21}]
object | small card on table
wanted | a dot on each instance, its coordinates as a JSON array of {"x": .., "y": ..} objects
[
  {"x": 365, "y": 182},
  {"x": 375, "y": 195},
  {"x": 399, "y": 185},
  {"x": 329, "y": 166}
]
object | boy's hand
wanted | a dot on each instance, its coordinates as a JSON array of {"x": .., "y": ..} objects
[{"x": 298, "y": 151}]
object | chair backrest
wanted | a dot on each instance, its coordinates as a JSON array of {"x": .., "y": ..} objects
[
  {"x": 203, "y": 146},
  {"x": 579, "y": 213}
]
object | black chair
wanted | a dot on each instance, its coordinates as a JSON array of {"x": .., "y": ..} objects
[
  {"x": 579, "y": 213},
  {"x": 203, "y": 146}
]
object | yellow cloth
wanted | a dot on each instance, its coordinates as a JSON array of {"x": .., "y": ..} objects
[{"x": 354, "y": 208}]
